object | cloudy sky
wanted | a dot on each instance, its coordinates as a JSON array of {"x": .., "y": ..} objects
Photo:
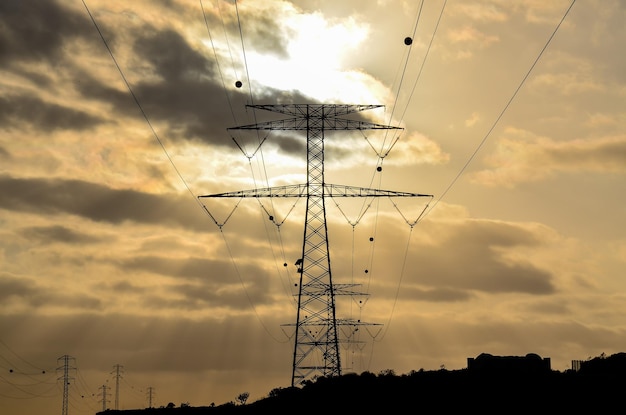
[{"x": 114, "y": 118}]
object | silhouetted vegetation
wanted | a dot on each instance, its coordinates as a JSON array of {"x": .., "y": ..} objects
[{"x": 596, "y": 386}]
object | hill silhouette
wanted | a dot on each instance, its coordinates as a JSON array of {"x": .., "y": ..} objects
[{"x": 502, "y": 387}]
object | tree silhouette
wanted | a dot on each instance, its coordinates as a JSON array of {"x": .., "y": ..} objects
[{"x": 243, "y": 397}]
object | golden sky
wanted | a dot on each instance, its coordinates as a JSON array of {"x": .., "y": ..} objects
[{"x": 114, "y": 117}]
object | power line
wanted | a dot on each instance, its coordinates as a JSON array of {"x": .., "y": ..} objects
[
  {"x": 419, "y": 74},
  {"x": 145, "y": 116},
  {"x": 21, "y": 358},
  {"x": 406, "y": 62},
  {"x": 219, "y": 68},
  {"x": 482, "y": 142}
]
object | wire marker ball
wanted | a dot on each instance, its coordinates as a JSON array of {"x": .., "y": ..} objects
[
  {"x": 238, "y": 84},
  {"x": 408, "y": 41},
  {"x": 379, "y": 168}
]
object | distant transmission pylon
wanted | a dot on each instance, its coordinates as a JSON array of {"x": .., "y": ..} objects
[
  {"x": 118, "y": 374},
  {"x": 104, "y": 397},
  {"x": 66, "y": 368},
  {"x": 150, "y": 394},
  {"x": 316, "y": 348}
]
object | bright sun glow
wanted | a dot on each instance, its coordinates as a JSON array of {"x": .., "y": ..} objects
[{"x": 316, "y": 65}]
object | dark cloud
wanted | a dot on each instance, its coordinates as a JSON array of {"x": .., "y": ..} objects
[
  {"x": 475, "y": 260},
  {"x": 27, "y": 292},
  {"x": 186, "y": 268},
  {"x": 57, "y": 233},
  {"x": 15, "y": 111},
  {"x": 149, "y": 343},
  {"x": 196, "y": 109},
  {"x": 97, "y": 202},
  {"x": 599, "y": 154},
  {"x": 190, "y": 95},
  {"x": 203, "y": 282},
  {"x": 120, "y": 102},
  {"x": 456, "y": 261},
  {"x": 194, "y": 297},
  {"x": 16, "y": 287},
  {"x": 37, "y": 30},
  {"x": 435, "y": 294},
  {"x": 84, "y": 302},
  {"x": 262, "y": 33},
  {"x": 123, "y": 287},
  {"x": 171, "y": 56}
]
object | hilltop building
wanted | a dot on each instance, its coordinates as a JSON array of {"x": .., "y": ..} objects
[{"x": 486, "y": 363}]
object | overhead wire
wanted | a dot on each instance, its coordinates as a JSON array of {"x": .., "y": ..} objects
[
  {"x": 26, "y": 393},
  {"x": 24, "y": 379},
  {"x": 429, "y": 208},
  {"x": 232, "y": 59},
  {"x": 143, "y": 112},
  {"x": 84, "y": 391},
  {"x": 406, "y": 63},
  {"x": 32, "y": 365},
  {"x": 262, "y": 164},
  {"x": 232, "y": 257},
  {"x": 382, "y": 154},
  {"x": 249, "y": 156},
  {"x": 419, "y": 74},
  {"x": 385, "y": 152},
  {"x": 504, "y": 109},
  {"x": 217, "y": 62},
  {"x": 249, "y": 82},
  {"x": 154, "y": 133},
  {"x": 138, "y": 392},
  {"x": 258, "y": 150}
]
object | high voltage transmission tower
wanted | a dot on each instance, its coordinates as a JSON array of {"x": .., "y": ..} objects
[
  {"x": 316, "y": 347},
  {"x": 118, "y": 374},
  {"x": 66, "y": 367},
  {"x": 150, "y": 394},
  {"x": 105, "y": 399}
]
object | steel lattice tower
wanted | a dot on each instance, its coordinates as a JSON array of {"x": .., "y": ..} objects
[
  {"x": 316, "y": 348},
  {"x": 66, "y": 368}
]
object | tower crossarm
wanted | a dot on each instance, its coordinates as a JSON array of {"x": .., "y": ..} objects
[
  {"x": 296, "y": 190},
  {"x": 328, "y": 123},
  {"x": 353, "y": 322},
  {"x": 330, "y": 190},
  {"x": 337, "y": 190},
  {"x": 317, "y": 110},
  {"x": 338, "y": 321},
  {"x": 347, "y": 289}
]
